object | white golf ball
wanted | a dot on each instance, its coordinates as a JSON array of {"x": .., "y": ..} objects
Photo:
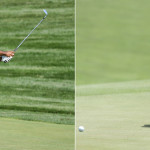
[{"x": 81, "y": 128}]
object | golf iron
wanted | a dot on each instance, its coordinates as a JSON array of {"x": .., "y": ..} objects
[{"x": 6, "y": 59}]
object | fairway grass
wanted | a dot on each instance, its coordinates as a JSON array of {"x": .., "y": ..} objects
[
  {"x": 116, "y": 116},
  {"x": 38, "y": 83},
  {"x": 25, "y": 135}
]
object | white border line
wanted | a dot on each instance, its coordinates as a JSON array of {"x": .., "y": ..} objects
[{"x": 75, "y": 76}]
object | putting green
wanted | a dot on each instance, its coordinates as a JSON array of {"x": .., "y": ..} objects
[
  {"x": 116, "y": 116},
  {"x": 113, "y": 42},
  {"x": 29, "y": 135}
]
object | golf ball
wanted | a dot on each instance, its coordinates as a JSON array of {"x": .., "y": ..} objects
[{"x": 81, "y": 128}]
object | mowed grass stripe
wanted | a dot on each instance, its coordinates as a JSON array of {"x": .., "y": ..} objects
[
  {"x": 38, "y": 84},
  {"x": 13, "y": 4},
  {"x": 38, "y": 44},
  {"x": 41, "y": 103},
  {"x": 39, "y": 99},
  {"x": 38, "y": 92},
  {"x": 36, "y": 103},
  {"x": 57, "y": 32},
  {"x": 36, "y": 12},
  {"x": 60, "y": 74},
  {"x": 35, "y": 100},
  {"x": 55, "y": 73},
  {"x": 35, "y": 68},
  {"x": 37, "y": 109},
  {"x": 38, "y": 88},
  {"x": 38, "y": 116},
  {"x": 114, "y": 88},
  {"x": 23, "y": 101}
]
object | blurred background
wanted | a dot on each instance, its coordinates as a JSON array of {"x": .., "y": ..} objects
[
  {"x": 113, "y": 41},
  {"x": 38, "y": 84}
]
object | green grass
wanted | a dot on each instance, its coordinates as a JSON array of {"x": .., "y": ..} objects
[
  {"x": 113, "y": 75},
  {"x": 38, "y": 84},
  {"x": 115, "y": 116},
  {"x": 20, "y": 134},
  {"x": 112, "y": 41}
]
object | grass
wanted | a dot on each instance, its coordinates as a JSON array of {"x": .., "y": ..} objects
[
  {"x": 20, "y": 134},
  {"x": 115, "y": 117},
  {"x": 112, "y": 41},
  {"x": 113, "y": 74},
  {"x": 38, "y": 84}
]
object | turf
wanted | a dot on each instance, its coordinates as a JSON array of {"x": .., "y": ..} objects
[
  {"x": 20, "y": 134},
  {"x": 113, "y": 74},
  {"x": 115, "y": 117},
  {"x": 38, "y": 84},
  {"x": 112, "y": 41}
]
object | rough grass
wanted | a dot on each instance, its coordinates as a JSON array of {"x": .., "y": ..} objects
[{"x": 38, "y": 84}]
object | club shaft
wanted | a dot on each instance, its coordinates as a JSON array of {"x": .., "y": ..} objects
[{"x": 29, "y": 34}]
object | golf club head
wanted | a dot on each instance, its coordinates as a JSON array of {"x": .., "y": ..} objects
[{"x": 45, "y": 13}]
